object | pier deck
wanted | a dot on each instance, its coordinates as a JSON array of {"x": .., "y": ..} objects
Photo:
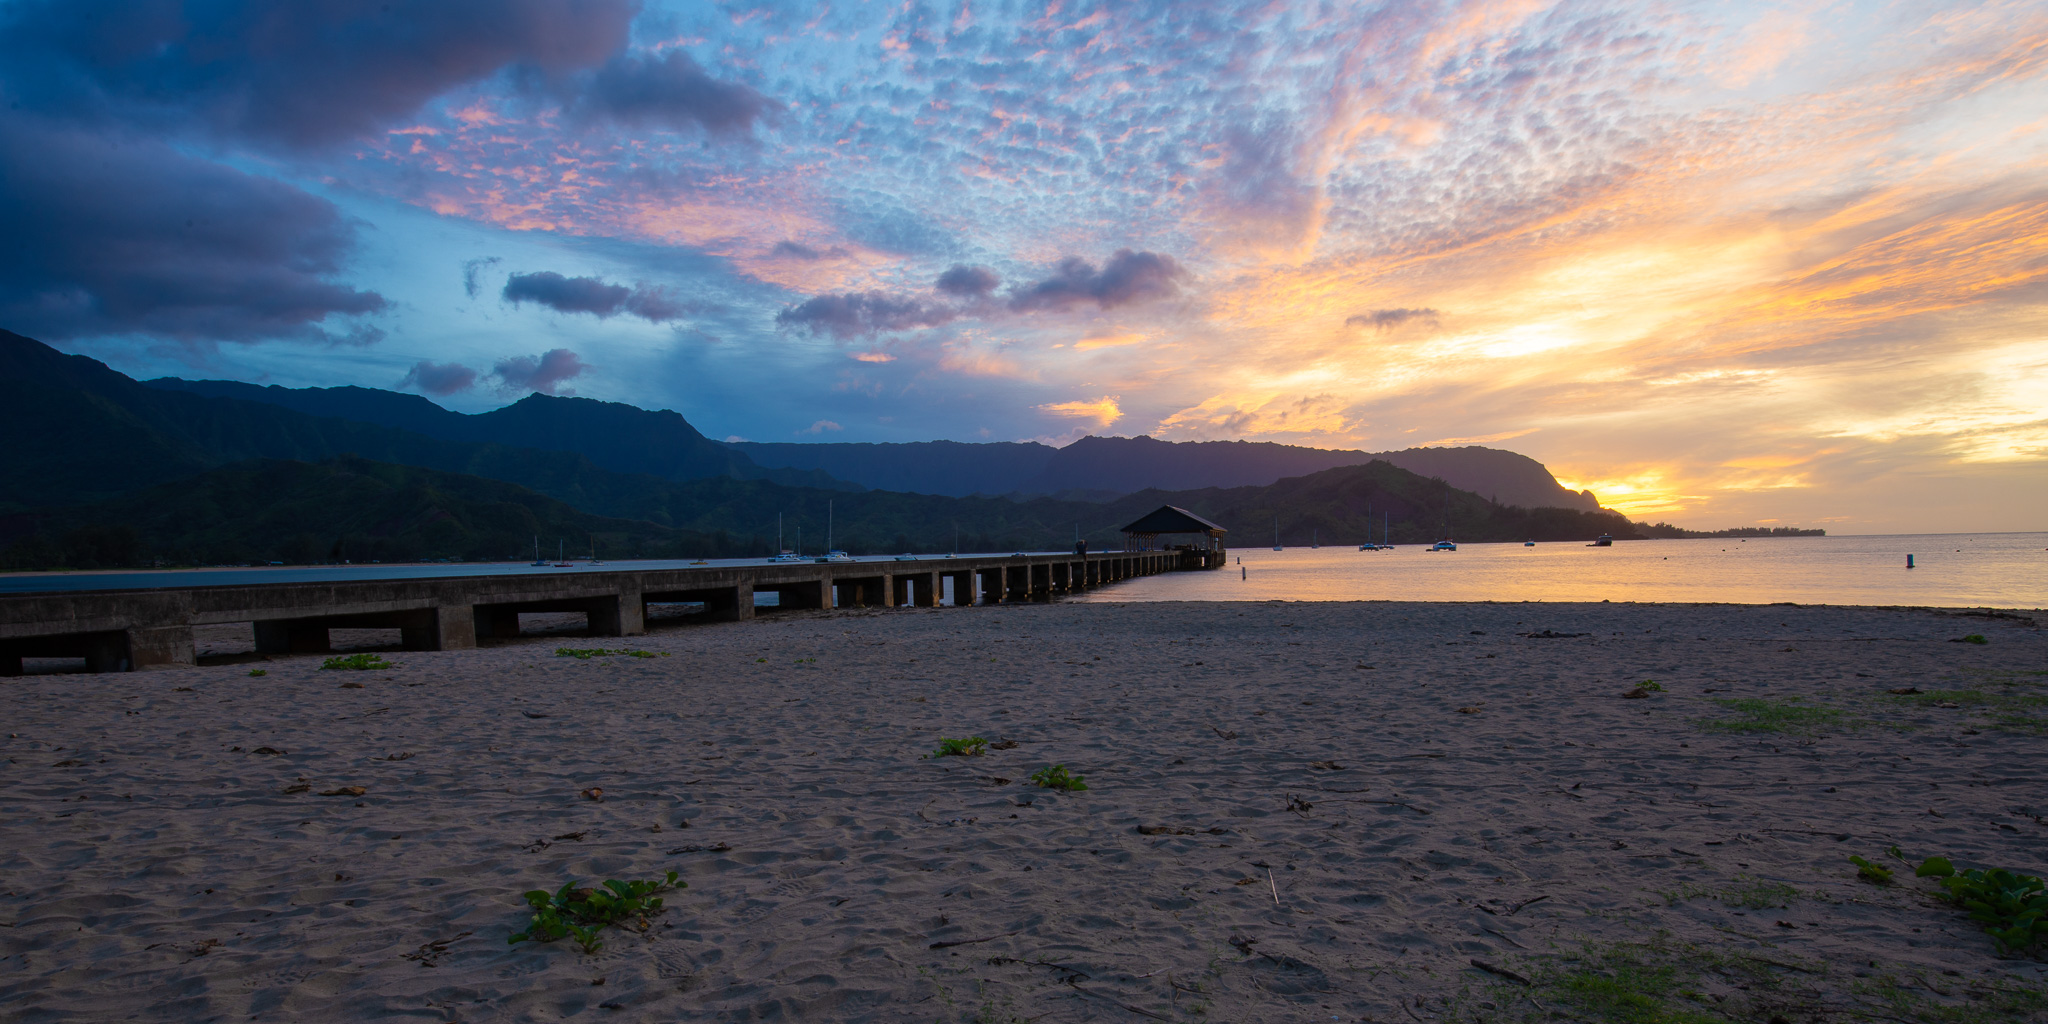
[{"x": 121, "y": 629}]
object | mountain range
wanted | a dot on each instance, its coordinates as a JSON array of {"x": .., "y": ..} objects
[
  {"x": 107, "y": 470},
  {"x": 1106, "y": 467},
  {"x": 628, "y": 439}
]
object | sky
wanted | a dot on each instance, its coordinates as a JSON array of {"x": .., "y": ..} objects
[{"x": 1725, "y": 264}]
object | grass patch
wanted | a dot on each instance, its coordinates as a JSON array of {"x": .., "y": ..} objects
[
  {"x": 1789, "y": 716},
  {"x": 357, "y": 662},
  {"x": 1057, "y": 777},
  {"x": 1746, "y": 891},
  {"x": 570, "y": 912},
  {"x": 972, "y": 746},
  {"x": 587, "y": 653},
  {"x": 1663, "y": 981},
  {"x": 2010, "y": 701}
]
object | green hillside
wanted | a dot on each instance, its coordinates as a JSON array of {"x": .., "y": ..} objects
[{"x": 360, "y": 510}]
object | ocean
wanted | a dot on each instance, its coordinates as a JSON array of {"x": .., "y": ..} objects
[{"x": 2000, "y": 570}]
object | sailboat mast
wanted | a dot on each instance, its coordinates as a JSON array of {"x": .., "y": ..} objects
[{"x": 828, "y": 526}]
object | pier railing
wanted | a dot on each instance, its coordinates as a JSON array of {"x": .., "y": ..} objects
[{"x": 120, "y": 630}]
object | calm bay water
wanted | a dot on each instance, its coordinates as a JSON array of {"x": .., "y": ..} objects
[{"x": 2003, "y": 570}]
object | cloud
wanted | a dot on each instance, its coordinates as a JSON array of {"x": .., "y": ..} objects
[
  {"x": 296, "y": 75},
  {"x": 1388, "y": 319},
  {"x": 669, "y": 90},
  {"x": 863, "y": 313},
  {"x": 820, "y": 427},
  {"x": 795, "y": 251},
  {"x": 1505, "y": 435},
  {"x": 118, "y": 235},
  {"x": 470, "y": 268},
  {"x": 439, "y": 378},
  {"x": 592, "y": 295},
  {"x": 1104, "y": 411},
  {"x": 1258, "y": 195},
  {"x": 1129, "y": 277},
  {"x": 543, "y": 373},
  {"x": 967, "y": 282},
  {"x": 873, "y": 357}
]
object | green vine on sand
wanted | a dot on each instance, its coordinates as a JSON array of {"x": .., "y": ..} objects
[
  {"x": 357, "y": 662},
  {"x": 972, "y": 746},
  {"x": 1057, "y": 777},
  {"x": 570, "y": 912}
]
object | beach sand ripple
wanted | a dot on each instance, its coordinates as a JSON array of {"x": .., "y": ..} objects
[{"x": 1293, "y": 812}]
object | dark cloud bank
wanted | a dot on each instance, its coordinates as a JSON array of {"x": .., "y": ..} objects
[
  {"x": 112, "y": 227},
  {"x": 114, "y": 235},
  {"x": 1128, "y": 278},
  {"x": 592, "y": 295},
  {"x": 544, "y": 373},
  {"x": 439, "y": 378}
]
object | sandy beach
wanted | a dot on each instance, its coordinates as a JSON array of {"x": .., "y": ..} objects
[{"x": 1295, "y": 812}]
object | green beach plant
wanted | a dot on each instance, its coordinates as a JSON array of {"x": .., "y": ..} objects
[
  {"x": 1755, "y": 715},
  {"x": 2012, "y": 908},
  {"x": 1973, "y": 638},
  {"x": 1665, "y": 981},
  {"x": 972, "y": 746},
  {"x": 1057, "y": 777},
  {"x": 570, "y": 912},
  {"x": 357, "y": 662},
  {"x": 1870, "y": 871},
  {"x": 257, "y": 672},
  {"x": 1745, "y": 891},
  {"x": 587, "y": 653}
]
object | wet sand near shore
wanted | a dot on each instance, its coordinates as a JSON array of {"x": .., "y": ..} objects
[{"x": 1295, "y": 812}]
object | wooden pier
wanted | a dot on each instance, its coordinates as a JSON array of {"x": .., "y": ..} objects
[{"x": 121, "y": 630}]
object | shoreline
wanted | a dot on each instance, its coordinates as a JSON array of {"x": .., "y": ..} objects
[{"x": 1390, "y": 836}]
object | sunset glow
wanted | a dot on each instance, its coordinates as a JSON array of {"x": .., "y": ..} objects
[{"x": 1722, "y": 264}]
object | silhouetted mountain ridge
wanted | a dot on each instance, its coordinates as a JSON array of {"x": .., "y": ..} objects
[
  {"x": 1121, "y": 465},
  {"x": 612, "y": 435}
]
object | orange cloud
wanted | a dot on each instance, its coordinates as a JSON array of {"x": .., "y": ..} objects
[{"x": 1104, "y": 411}]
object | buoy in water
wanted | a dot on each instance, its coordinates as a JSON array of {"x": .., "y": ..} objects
[{"x": 1909, "y": 561}]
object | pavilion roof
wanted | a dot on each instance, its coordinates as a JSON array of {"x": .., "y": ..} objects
[{"x": 1171, "y": 519}]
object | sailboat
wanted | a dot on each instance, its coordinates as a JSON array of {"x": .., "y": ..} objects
[
  {"x": 783, "y": 554},
  {"x": 1446, "y": 544},
  {"x": 1276, "y": 534},
  {"x": 1368, "y": 545},
  {"x": 832, "y": 554},
  {"x": 1314, "y": 539},
  {"x": 562, "y": 555},
  {"x": 593, "y": 552},
  {"x": 537, "y": 559}
]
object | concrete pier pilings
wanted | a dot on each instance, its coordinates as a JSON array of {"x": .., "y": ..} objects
[{"x": 121, "y": 630}]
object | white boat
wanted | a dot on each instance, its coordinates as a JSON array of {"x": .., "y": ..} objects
[
  {"x": 834, "y": 556},
  {"x": 906, "y": 557},
  {"x": 1443, "y": 545},
  {"x": 1386, "y": 531},
  {"x": 1528, "y": 543},
  {"x": 1604, "y": 541},
  {"x": 786, "y": 554}
]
